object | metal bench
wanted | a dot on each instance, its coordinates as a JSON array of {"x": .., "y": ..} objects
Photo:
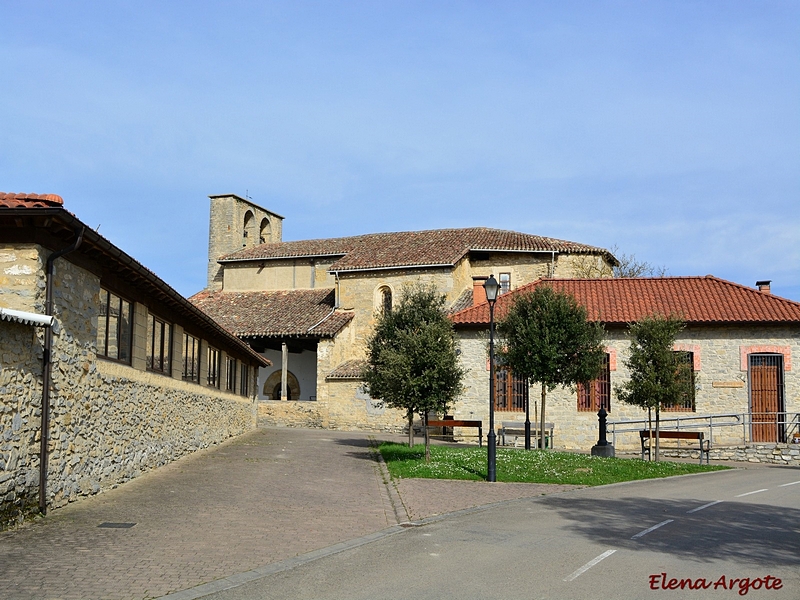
[
  {"x": 517, "y": 429},
  {"x": 459, "y": 423},
  {"x": 705, "y": 445}
]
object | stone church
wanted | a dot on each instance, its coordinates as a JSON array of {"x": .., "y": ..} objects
[{"x": 308, "y": 306}]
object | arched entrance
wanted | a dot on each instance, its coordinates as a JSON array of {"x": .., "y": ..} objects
[{"x": 272, "y": 387}]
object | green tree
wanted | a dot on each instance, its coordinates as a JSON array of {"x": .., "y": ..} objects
[
  {"x": 547, "y": 338},
  {"x": 411, "y": 357},
  {"x": 659, "y": 376}
]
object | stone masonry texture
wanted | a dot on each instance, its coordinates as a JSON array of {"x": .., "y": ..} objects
[{"x": 109, "y": 422}]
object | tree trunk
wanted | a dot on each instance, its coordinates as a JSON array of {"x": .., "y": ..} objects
[
  {"x": 650, "y": 433},
  {"x": 541, "y": 416},
  {"x": 658, "y": 428},
  {"x": 427, "y": 439},
  {"x": 410, "y": 428}
]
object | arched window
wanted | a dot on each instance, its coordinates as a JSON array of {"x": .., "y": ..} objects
[
  {"x": 248, "y": 224},
  {"x": 386, "y": 299},
  {"x": 265, "y": 231}
]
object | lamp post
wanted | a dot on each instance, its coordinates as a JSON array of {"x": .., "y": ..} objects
[{"x": 491, "y": 288}]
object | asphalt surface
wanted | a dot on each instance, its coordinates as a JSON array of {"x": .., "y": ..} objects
[
  {"x": 626, "y": 541},
  {"x": 271, "y": 498}
]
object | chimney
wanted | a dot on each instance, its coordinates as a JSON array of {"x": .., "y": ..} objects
[
  {"x": 478, "y": 293},
  {"x": 763, "y": 286}
]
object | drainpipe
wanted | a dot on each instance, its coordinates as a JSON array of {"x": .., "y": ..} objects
[{"x": 46, "y": 368}]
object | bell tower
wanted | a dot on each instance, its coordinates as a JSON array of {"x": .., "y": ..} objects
[{"x": 237, "y": 223}]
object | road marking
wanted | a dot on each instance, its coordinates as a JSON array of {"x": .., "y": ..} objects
[
  {"x": 653, "y": 528},
  {"x": 589, "y": 565},
  {"x": 694, "y": 510},
  {"x": 785, "y": 484},
  {"x": 755, "y": 492}
]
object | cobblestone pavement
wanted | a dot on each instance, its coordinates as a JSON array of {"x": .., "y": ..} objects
[{"x": 264, "y": 497}]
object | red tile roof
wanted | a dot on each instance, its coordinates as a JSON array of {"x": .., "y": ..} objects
[
  {"x": 698, "y": 300},
  {"x": 284, "y": 313},
  {"x": 349, "y": 369},
  {"x": 440, "y": 247},
  {"x": 17, "y": 200}
]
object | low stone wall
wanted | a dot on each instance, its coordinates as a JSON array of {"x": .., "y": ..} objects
[
  {"x": 290, "y": 413},
  {"x": 776, "y": 454}
]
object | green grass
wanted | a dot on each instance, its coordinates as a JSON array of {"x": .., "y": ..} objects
[{"x": 526, "y": 467}]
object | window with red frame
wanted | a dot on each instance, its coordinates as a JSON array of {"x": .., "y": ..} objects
[
  {"x": 596, "y": 394},
  {"x": 510, "y": 391}
]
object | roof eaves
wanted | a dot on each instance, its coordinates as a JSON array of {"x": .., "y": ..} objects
[
  {"x": 280, "y": 257},
  {"x": 92, "y": 237},
  {"x": 392, "y": 268}
]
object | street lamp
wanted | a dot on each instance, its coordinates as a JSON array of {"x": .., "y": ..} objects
[{"x": 491, "y": 288}]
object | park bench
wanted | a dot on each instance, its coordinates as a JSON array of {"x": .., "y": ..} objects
[
  {"x": 458, "y": 423},
  {"x": 517, "y": 430},
  {"x": 705, "y": 445}
]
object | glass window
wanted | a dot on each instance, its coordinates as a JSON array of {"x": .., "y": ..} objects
[
  {"x": 158, "y": 344},
  {"x": 505, "y": 282},
  {"x": 191, "y": 358},
  {"x": 213, "y": 367},
  {"x": 230, "y": 381},
  {"x": 244, "y": 381},
  {"x": 114, "y": 327},
  {"x": 596, "y": 394}
]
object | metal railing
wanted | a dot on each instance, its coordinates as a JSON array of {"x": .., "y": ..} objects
[{"x": 731, "y": 428}]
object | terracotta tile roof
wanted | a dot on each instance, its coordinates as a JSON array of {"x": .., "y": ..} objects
[
  {"x": 350, "y": 369},
  {"x": 699, "y": 300},
  {"x": 441, "y": 247},
  {"x": 17, "y": 200},
  {"x": 284, "y": 313}
]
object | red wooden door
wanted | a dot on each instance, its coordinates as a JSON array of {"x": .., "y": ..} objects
[{"x": 766, "y": 397}]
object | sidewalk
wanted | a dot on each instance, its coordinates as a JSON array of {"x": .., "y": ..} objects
[{"x": 267, "y": 496}]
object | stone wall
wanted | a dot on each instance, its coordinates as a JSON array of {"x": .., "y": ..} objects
[
  {"x": 109, "y": 422},
  {"x": 721, "y": 385},
  {"x": 227, "y": 227}
]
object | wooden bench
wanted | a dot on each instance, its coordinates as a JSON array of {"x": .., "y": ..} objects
[
  {"x": 705, "y": 445},
  {"x": 459, "y": 423},
  {"x": 517, "y": 429}
]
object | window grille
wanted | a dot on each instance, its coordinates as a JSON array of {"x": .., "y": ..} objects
[
  {"x": 510, "y": 391},
  {"x": 596, "y": 394},
  {"x": 686, "y": 367}
]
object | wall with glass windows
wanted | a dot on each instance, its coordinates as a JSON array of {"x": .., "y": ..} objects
[{"x": 100, "y": 401}]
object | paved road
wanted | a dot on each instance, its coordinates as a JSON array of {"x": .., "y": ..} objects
[
  {"x": 590, "y": 543},
  {"x": 253, "y": 502}
]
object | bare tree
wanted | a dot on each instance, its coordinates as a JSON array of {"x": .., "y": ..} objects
[{"x": 629, "y": 266}]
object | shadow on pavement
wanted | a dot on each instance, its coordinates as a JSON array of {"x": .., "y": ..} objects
[{"x": 726, "y": 530}]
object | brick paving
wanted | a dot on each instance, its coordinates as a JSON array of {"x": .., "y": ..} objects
[{"x": 267, "y": 496}]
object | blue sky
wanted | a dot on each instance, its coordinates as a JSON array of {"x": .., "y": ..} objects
[{"x": 669, "y": 129}]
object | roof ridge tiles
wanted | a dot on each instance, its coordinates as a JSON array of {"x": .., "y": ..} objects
[{"x": 699, "y": 299}]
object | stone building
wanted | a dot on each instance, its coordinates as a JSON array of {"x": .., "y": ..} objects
[
  {"x": 310, "y": 305},
  {"x": 134, "y": 374},
  {"x": 739, "y": 341}
]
